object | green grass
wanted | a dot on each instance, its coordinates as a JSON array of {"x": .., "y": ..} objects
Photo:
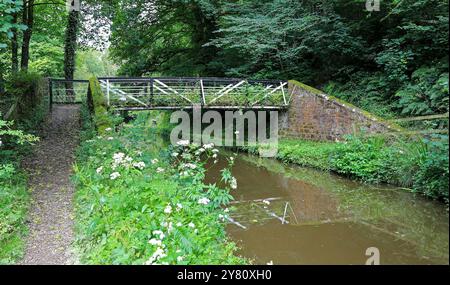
[{"x": 14, "y": 201}]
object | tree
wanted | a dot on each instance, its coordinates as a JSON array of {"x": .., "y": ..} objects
[
  {"x": 28, "y": 20},
  {"x": 70, "y": 49}
]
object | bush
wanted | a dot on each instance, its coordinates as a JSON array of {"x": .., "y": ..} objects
[
  {"x": 432, "y": 178},
  {"x": 28, "y": 89}
]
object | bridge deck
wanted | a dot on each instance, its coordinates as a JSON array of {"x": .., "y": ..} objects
[{"x": 169, "y": 93}]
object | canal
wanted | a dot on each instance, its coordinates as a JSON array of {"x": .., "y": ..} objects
[{"x": 284, "y": 214}]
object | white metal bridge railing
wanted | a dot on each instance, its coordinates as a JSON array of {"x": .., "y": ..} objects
[{"x": 175, "y": 93}]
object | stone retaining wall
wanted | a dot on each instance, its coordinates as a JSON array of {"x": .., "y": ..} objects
[{"x": 313, "y": 115}]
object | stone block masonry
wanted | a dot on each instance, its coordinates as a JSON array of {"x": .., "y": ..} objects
[{"x": 314, "y": 115}]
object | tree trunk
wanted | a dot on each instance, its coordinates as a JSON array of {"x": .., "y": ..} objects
[
  {"x": 14, "y": 48},
  {"x": 28, "y": 19},
  {"x": 69, "y": 52}
]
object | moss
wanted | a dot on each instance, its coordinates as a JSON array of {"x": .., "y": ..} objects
[
  {"x": 369, "y": 115},
  {"x": 98, "y": 107}
]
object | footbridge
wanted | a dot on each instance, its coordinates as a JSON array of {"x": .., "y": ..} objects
[
  {"x": 305, "y": 112},
  {"x": 170, "y": 93}
]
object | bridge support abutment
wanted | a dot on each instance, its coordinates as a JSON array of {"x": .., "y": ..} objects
[{"x": 314, "y": 115}]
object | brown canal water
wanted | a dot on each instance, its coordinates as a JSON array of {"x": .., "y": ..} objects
[{"x": 292, "y": 215}]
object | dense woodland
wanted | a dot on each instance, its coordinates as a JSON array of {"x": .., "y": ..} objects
[{"x": 393, "y": 63}]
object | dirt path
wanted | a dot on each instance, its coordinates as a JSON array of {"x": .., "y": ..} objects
[{"x": 51, "y": 214}]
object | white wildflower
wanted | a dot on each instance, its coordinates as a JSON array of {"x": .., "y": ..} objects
[
  {"x": 233, "y": 183},
  {"x": 191, "y": 225},
  {"x": 204, "y": 201},
  {"x": 183, "y": 143},
  {"x": 267, "y": 202},
  {"x": 99, "y": 170},
  {"x": 208, "y": 146},
  {"x": 179, "y": 206},
  {"x": 190, "y": 165},
  {"x": 108, "y": 129},
  {"x": 158, "y": 254},
  {"x": 154, "y": 241},
  {"x": 270, "y": 263},
  {"x": 180, "y": 258},
  {"x": 159, "y": 233},
  {"x": 119, "y": 156},
  {"x": 114, "y": 175},
  {"x": 160, "y": 170},
  {"x": 175, "y": 154},
  {"x": 110, "y": 138},
  {"x": 168, "y": 209},
  {"x": 139, "y": 165}
]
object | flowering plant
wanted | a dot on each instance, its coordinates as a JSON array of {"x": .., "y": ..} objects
[{"x": 141, "y": 203}]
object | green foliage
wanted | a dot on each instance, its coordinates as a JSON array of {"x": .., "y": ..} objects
[
  {"x": 47, "y": 56},
  {"x": 7, "y": 9},
  {"x": 432, "y": 177},
  {"x": 29, "y": 90},
  {"x": 14, "y": 201},
  {"x": 362, "y": 158},
  {"x": 306, "y": 153},
  {"x": 427, "y": 93},
  {"x": 90, "y": 63},
  {"x": 14, "y": 197},
  {"x": 139, "y": 204},
  {"x": 98, "y": 107}
]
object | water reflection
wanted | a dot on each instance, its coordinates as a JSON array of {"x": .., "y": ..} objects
[{"x": 330, "y": 220}]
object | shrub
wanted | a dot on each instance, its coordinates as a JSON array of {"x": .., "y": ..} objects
[
  {"x": 28, "y": 89},
  {"x": 432, "y": 177}
]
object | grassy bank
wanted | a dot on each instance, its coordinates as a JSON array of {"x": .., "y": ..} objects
[
  {"x": 421, "y": 165},
  {"x": 14, "y": 201},
  {"x": 14, "y": 195},
  {"x": 140, "y": 202}
]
